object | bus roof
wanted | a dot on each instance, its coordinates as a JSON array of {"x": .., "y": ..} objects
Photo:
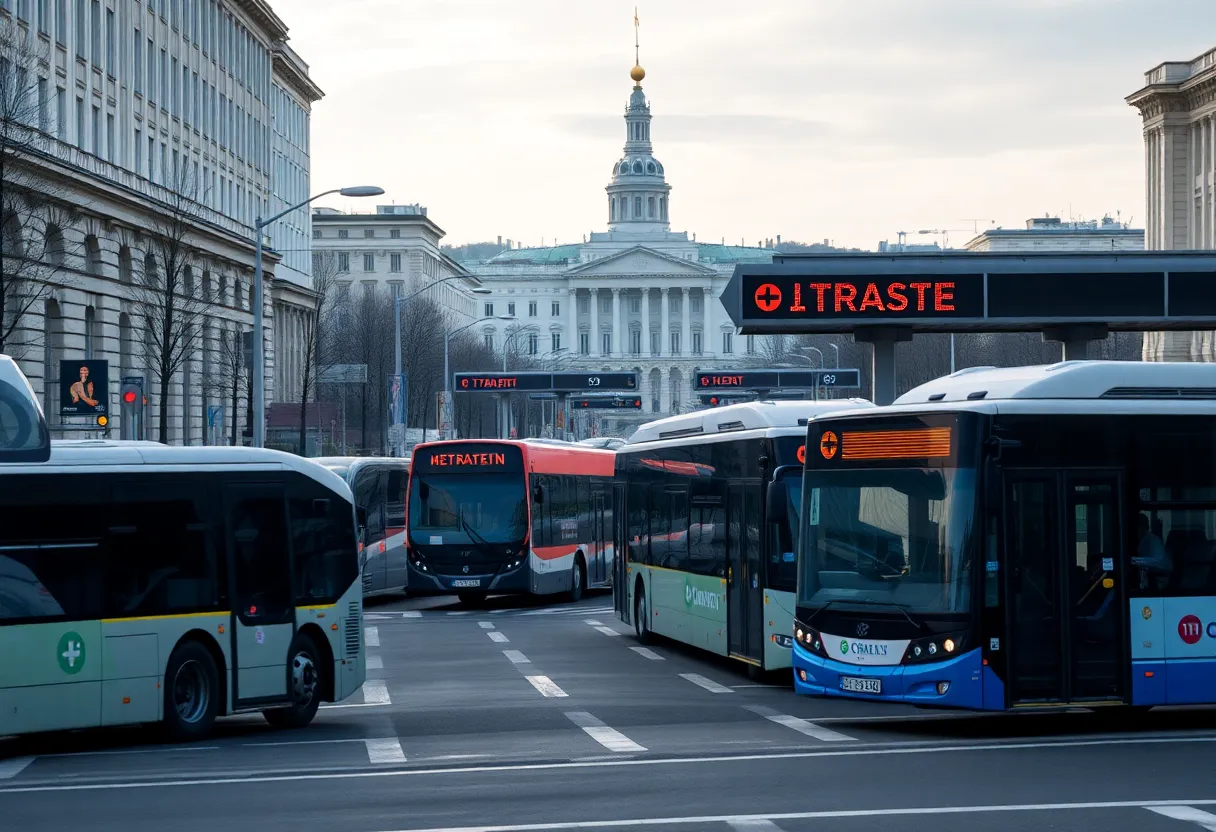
[
  {"x": 84, "y": 455},
  {"x": 544, "y": 457},
  {"x": 761, "y": 415}
]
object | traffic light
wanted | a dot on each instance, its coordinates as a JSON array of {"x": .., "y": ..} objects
[{"x": 132, "y": 398}]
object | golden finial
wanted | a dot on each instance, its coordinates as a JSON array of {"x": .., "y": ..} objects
[{"x": 637, "y": 73}]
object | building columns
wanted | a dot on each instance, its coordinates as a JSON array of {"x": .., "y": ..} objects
[
  {"x": 595, "y": 322},
  {"x": 646, "y": 322},
  {"x": 572, "y": 326},
  {"x": 665, "y": 333},
  {"x": 685, "y": 321},
  {"x": 617, "y": 331}
]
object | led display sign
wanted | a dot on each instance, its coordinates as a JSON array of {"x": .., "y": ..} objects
[
  {"x": 776, "y": 379},
  {"x": 470, "y": 456},
  {"x": 607, "y": 403},
  {"x": 563, "y": 382},
  {"x": 864, "y": 297},
  {"x": 534, "y": 382}
]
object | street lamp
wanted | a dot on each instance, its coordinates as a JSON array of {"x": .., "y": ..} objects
[
  {"x": 447, "y": 375},
  {"x": 259, "y": 352}
]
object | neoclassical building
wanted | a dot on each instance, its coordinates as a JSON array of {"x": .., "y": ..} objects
[{"x": 637, "y": 297}]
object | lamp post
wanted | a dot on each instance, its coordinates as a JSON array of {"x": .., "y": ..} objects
[
  {"x": 259, "y": 352},
  {"x": 837, "y": 351},
  {"x": 397, "y": 304},
  {"x": 447, "y": 375}
]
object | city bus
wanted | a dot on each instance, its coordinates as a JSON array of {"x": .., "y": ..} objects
[
  {"x": 379, "y": 484},
  {"x": 509, "y": 517},
  {"x": 24, "y": 436},
  {"x": 142, "y": 583},
  {"x": 1001, "y": 539},
  {"x": 707, "y": 516}
]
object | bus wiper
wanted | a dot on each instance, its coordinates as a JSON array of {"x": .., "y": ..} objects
[
  {"x": 477, "y": 539},
  {"x": 901, "y": 607}
]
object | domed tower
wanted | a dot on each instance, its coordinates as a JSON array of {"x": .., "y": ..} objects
[{"x": 638, "y": 192}]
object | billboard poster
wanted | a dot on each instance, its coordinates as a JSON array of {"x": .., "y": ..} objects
[
  {"x": 84, "y": 387},
  {"x": 398, "y": 389}
]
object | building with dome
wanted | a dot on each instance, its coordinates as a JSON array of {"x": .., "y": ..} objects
[{"x": 638, "y": 296}]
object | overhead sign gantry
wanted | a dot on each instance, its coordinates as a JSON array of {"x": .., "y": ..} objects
[
  {"x": 884, "y": 298},
  {"x": 544, "y": 382}
]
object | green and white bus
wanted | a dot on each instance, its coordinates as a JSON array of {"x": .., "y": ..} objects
[
  {"x": 707, "y": 513},
  {"x": 141, "y": 583}
]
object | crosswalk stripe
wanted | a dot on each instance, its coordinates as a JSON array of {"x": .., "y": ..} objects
[
  {"x": 1202, "y": 819},
  {"x": 610, "y": 738},
  {"x": 11, "y": 768},
  {"x": 375, "y": 663},
  {"x": 709, "y": 684},
  {"x": 647, "y": 653},
  {"x": 802, "y": 726},
  {"x": 497, "y": 636},
  {"x": 412, "y": 614},
  {"x": 371, "y": 636},
  {"x": 754, "y": 825},
  {"x": 375, "y": 692},
  {"x": 516, "y": 657},
  {"x": 459, "y": 612},
  {"x": 593, "y": 622},
  {"x": 486, "y": 625},
  {"x": 608, "y": 631},
  {"x": 547, "y": 687},
  {"x": 385, "y": 751}
]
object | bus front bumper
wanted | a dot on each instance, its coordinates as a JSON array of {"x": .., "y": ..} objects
[
  {"x": 954, "y": 683},
  {"x": 427, "y": 582}
]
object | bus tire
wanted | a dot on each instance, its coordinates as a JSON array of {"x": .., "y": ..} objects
[
  {"x": 578, "y": 579},
  {"x": 192, "y": 693},
  {"x": 307, "y": 675},
  {"x": 641, "y": 616},
  {"x": 472, "y": 599}
]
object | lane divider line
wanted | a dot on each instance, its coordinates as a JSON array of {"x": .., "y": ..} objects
[
  {"x": 610, "y": 738},
  {"x": 608, "y": 631},
  {"x": 371, "y": 636},
  {"x": 1189, "y": 814},
  {"x": 486, "y": 625},
  {"x": 547, "y": 687},
  {"x": 516, "y": 657},
  {"x": 385, "y": 751},
  {"x": 375, "y": 692},
  {"x": 753, "y": 824},
  {"x": 497, "y": 637},
  {"x": 646, "y": 652},
  {"x": 802, "y": 726},
  {"x": 709, "y": 684},
  {"x": 593, "y": 622}
]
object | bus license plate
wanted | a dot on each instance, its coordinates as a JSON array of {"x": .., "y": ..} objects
[
  {"x": 855, "y": 685},
  {"x": 466, "y": 582}
]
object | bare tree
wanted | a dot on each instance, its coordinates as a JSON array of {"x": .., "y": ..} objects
[
  {"x": 318, "y": 334},
  {"x": 34, "y": 212},
  {"x": 168, "y": 301},
  {"x": 229, "y": 379}
]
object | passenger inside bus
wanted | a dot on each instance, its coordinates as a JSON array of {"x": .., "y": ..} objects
[{"x": 1152, "y": 559}]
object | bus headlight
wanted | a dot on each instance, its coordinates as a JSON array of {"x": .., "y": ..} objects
[
  {"x": 934, "y": 648},
  {"x": 949, "y": 645},
  {"x": 808, "y": 639}
]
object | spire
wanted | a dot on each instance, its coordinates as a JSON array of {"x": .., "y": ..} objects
[{"x": 638, "y": 192}]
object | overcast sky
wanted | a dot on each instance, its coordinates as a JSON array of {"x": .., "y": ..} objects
[{"x": 812, "y": 119}]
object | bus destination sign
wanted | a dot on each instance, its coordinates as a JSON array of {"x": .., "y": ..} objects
[
  {"x": 606, "y": 403},
  {"x": 540, "y": 382},
  {"x": 479, "y": 456},
  {"x": 863, "y": 298},
  {"x": 840, "y": 379}
]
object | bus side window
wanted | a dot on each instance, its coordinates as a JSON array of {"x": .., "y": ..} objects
[
  {"x": 677, "y": 550},
  {"x": 636, "y": 530},
  {"x": 322, "y": 538},
  {"x": 396, "y": 481},
  {"x": 540, "y": 535},
  {"x": 369, "y": 493}
]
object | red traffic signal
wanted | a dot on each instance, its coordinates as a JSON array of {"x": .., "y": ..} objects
[{"x": 129, "y": 397}]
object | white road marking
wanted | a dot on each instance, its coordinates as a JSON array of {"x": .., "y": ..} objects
[
  {"x": 128, "y": 751},
  {"x": 547, "y": 687},
  {"x": 498, "y": 637},
  {"x": 375, "y": 663},
  {"x": 412, "y": 614},
  {"x": 270, "y": 777},
  {"x": 460, "y": 612},
  {"x": 709, "y": 684},
  {"x": 610, "y": 738},
  {"x": 516, "y": 657},
  {"x": 11, "y": 768},
  {"x": 1205, "y": 820},
  {"x": 756, "y": 824},
  {"x": 300, "y": 742},
  {"x": 385, "y": 751},
  {"x": 356, "y": 705},
  {"x": 486, "y": 625},
  {"x": 802, "y": 726},
  {"x": 593, "y": 622},
  {"x": 375, "y": 692},
  {"x": 648, "y": 653},
  {"x": 371, "y": 636},
  {"x": 608, "y": 631}
]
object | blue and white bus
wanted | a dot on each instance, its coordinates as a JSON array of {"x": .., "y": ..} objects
[{"x": 1010, "y": 538}]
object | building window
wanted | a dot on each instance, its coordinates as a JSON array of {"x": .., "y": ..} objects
[
  {"x": 489, "y": 310},
  {"x": 555, "y": 340},
  {"x": 606, "y": 343},
  {"x": 655, "y": 339},
  {"x": 696, "y": 343},
  {"x": 555, "y": 309},
  {"x": 489, "y": 338},
  {"x": 394, "y": 262},
  {"x": 511, "y": 309},
  {"x": 369, "y": 262},
  {"x": 650, "y": 207},
  {"x": 316, "y": 233},
  {"x": 751, "y": 344},
  {"x": 369, "y": 233},
  {"x": 728, "y": 343},
  {"x": 675, "y": 343},
  {"x": 605, "y": 303},
  {"x": 343, "y": 234},
  {"x": 635, "y": 304},
  {"x": 584, "y": 304},
  {"x": 635, "y": 342},
  {"x": 637, "y": 207},
  {"x": 111, "y": 45},
  {"x": 533, "y": 343},
  {"x": 395, "y": 233},
  {"x": 695, "y": 300},
  {"x": 343, "y": 261},
  {"x": 531, "y": 309},
  {"x": 584, "y": 343}
]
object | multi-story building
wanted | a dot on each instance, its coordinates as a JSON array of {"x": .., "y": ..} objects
[
  {"x": 1054, "y": 234},
  {"x": 637, "y": 297},
  {"x": 1179, "y": 114},
  {"x": 396, "y": 249},
  {"x": 149, "y": 114}
]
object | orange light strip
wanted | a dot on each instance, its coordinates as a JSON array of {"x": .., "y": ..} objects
[{"x": 921, "y": 443}]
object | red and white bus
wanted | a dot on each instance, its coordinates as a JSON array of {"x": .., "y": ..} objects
[{"x": 492, "y": 516}]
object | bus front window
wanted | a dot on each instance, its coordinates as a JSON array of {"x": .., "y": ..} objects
[
  {"x": 493, "y": 505},
  {"x": 889, "y": 537}
]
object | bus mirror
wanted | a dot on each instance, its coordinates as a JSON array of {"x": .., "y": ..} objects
[
  {"x": 538, "y": 495},
  {"x": 775, "y": 507}
]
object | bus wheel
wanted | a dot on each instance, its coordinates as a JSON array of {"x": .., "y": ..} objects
[
  {"x": 306, "y": 686},
  {"x": 641, "y": 617},
  {"x": 577, "y": 583},
  {"x": 472, "y": 599},
  {"x": 191, "y": 693}
]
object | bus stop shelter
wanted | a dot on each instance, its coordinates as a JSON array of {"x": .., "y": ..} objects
[{"x": 881, "y": 299}]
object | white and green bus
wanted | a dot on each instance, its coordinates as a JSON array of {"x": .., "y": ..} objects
[
  {"x": 141, "y": 583},
  {"x": 706, "y": 510}
]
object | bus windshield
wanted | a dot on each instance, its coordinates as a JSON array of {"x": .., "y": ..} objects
[
  {"x": 891, "y": 536},
  {"x": 493, "y": 505}
]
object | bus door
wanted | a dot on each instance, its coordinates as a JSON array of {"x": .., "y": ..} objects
[
  {"x": 597, "y": 567},
  {"x": 263, "y": 609},
  {"x": 744, "y": 595},
  {"x": 620, "y": 547},
  {"x": 1065, "y": 610},
  {"x": 369, "y": 488}
]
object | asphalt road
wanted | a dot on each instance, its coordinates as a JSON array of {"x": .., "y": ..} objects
[{"x": 529, "y": 716}]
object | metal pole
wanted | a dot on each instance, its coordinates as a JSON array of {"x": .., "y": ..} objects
[
  {"x": 259, "y": 348},
  {"x": 399, "y": 445},
  {"x": 952, "y": 353},
  {"x": 447, "y": 386}
]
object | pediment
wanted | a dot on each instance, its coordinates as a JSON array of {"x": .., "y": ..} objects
[{"x": 639, "y": 260}]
